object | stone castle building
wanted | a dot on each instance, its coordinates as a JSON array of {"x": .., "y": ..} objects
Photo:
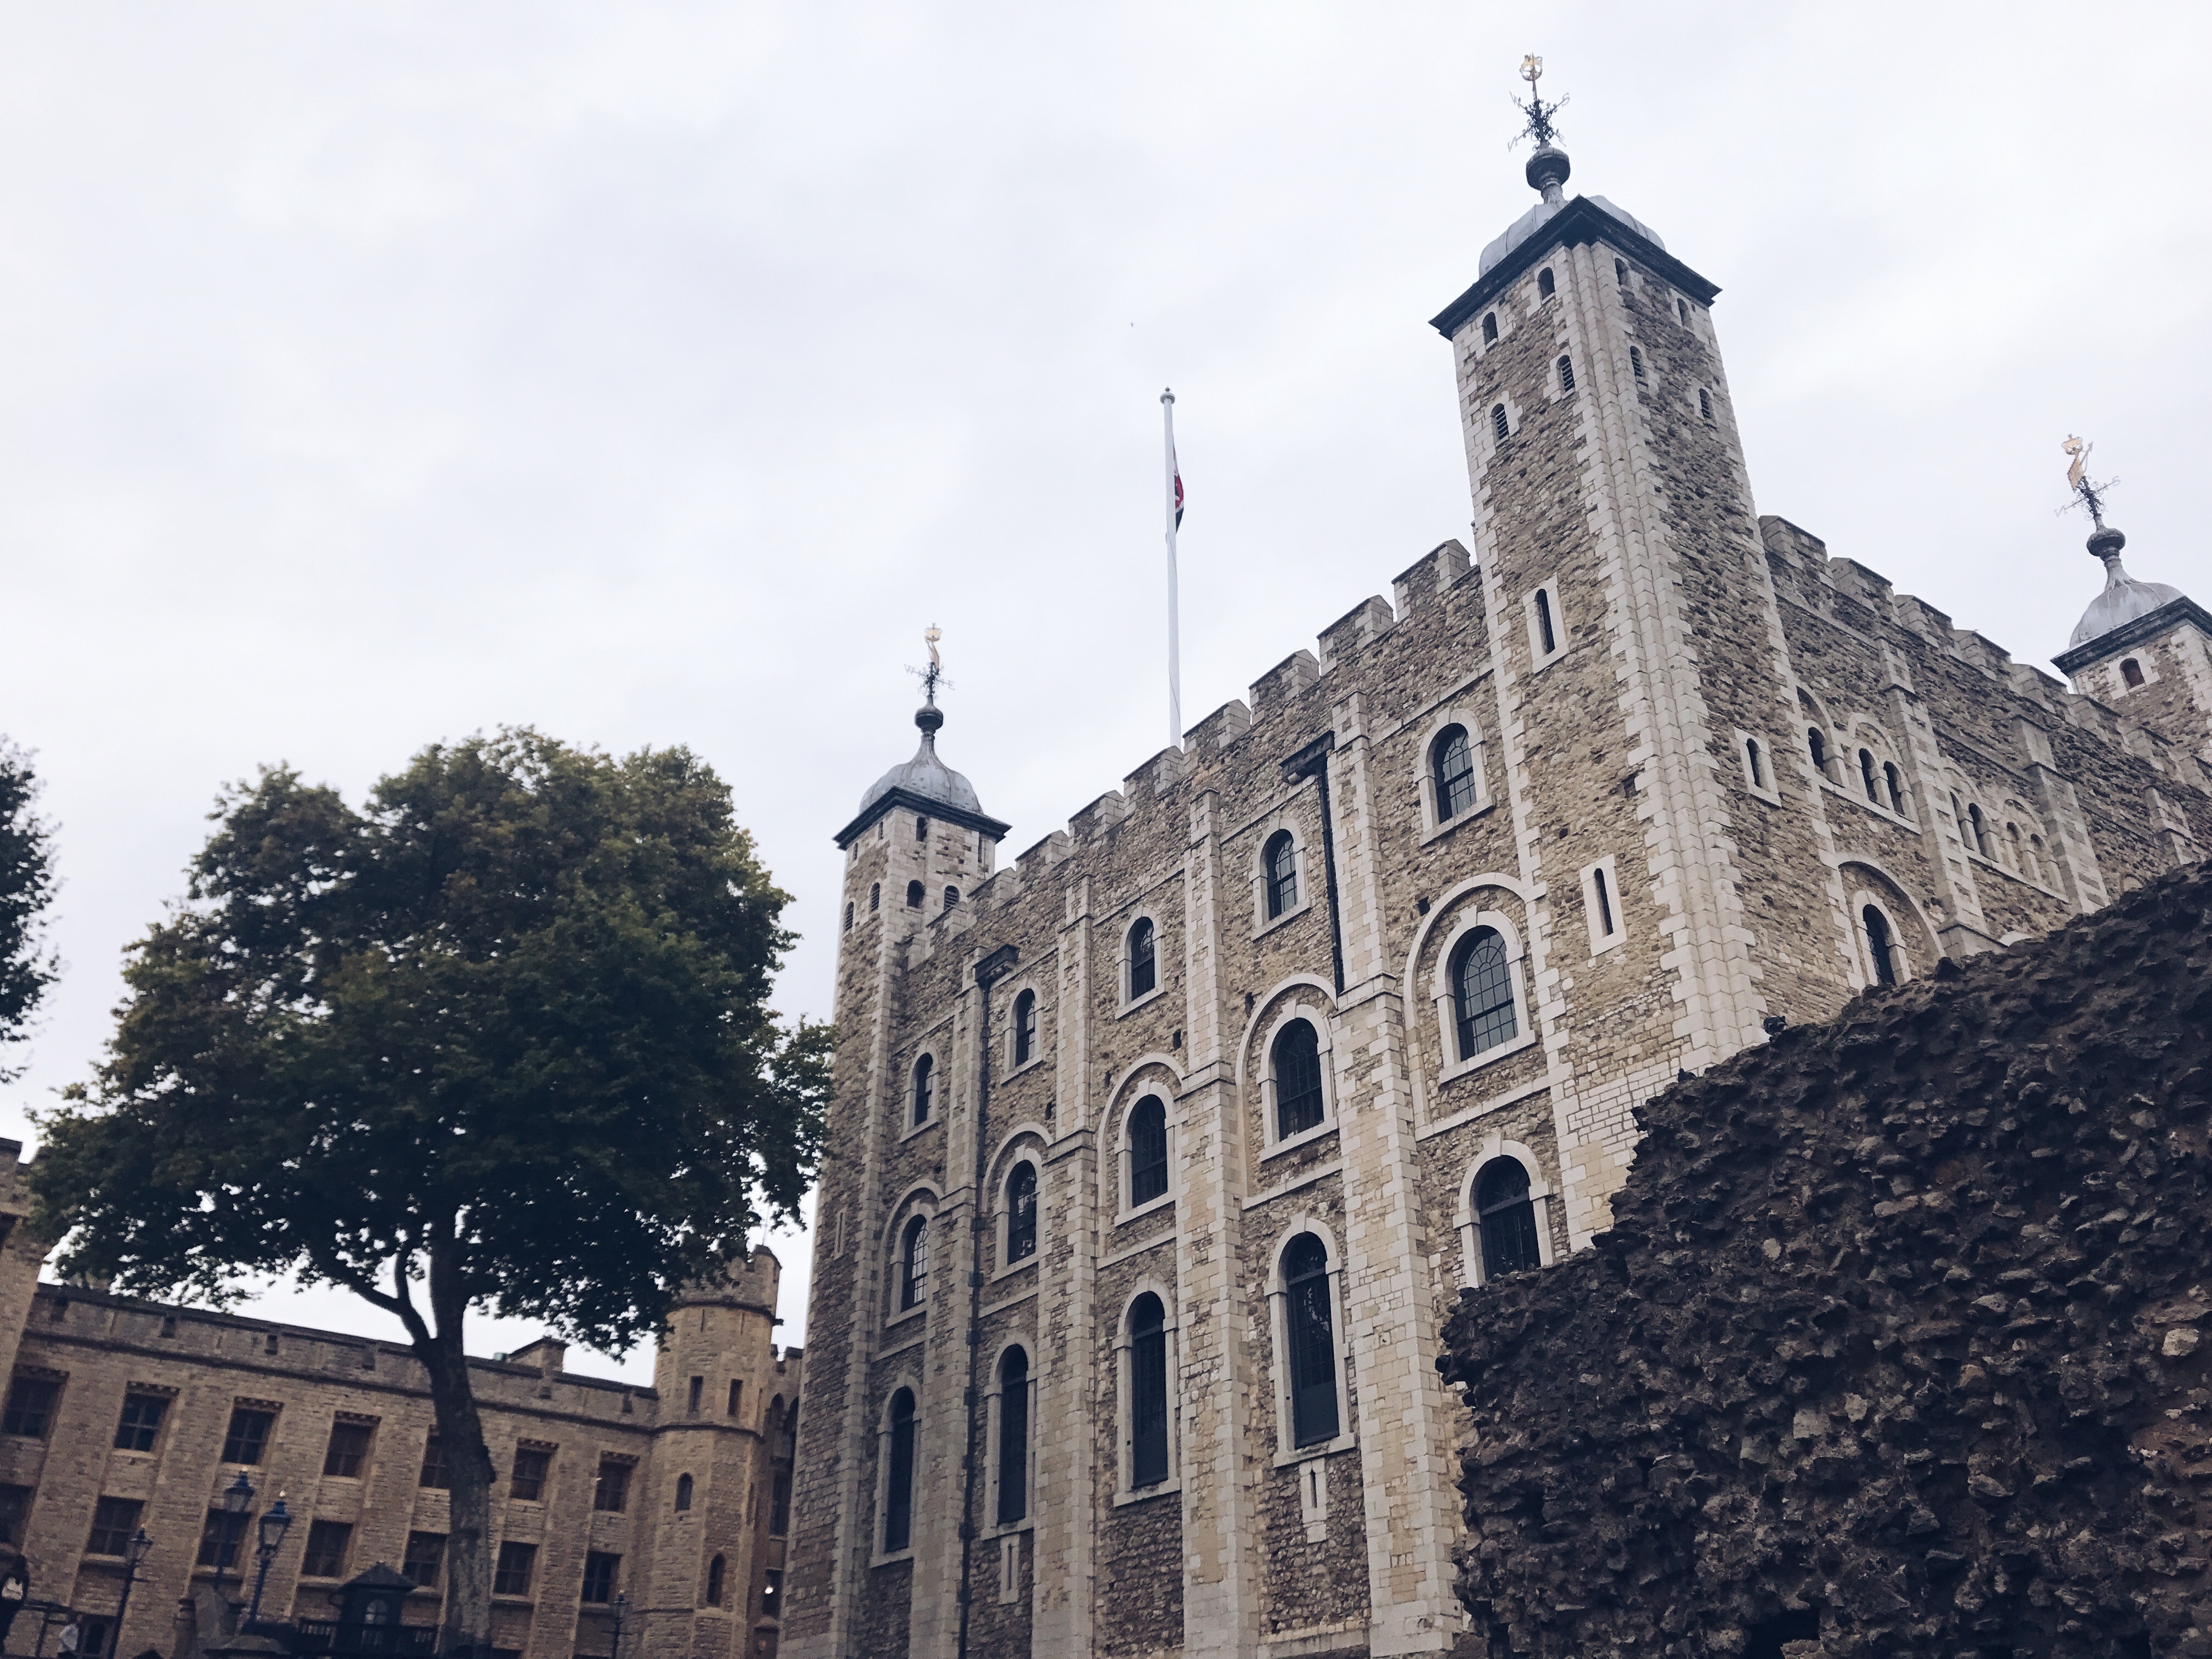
[
  {"x": 1156, "y": 1160},
  {"x": 669, "y": 1504}
]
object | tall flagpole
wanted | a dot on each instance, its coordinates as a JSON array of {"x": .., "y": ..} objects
[{"x": 1175, "y": 621}]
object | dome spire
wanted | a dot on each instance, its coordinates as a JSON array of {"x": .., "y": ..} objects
[
  {"x": 2124, "y": 598},
  {"x": 925, "y": 784},
  {"x": 929, "y": 717},
  {"x": 1547, "y": 166}
]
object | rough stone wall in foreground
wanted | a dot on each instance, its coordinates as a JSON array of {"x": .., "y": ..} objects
[{"x": 1896, "y": 1339}]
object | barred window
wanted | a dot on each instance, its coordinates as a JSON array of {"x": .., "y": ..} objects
[
  {"x": 1705, "y": 403},
  {"x": 1280, "y": 861},
  {"x": 1148, "y": 1151},
  {"x": 951, "y": 896},
  {"x": 1566, "y": 374},
  {"x": 914, "y": 1263},
  {"x": 898, "y": 1486},
  {"x": 1636, "y": 362},
  {"x": 1013, "y": 1437},
  {"x": 1148, "y": 1393},
  {"x": 1453, "y": 765},
  {"x": 1482, "y": 993},
  {"x": 1312, "y": 1333},
  {"x": 1021, "y": 1212},
  {"x": 848, "y": 915},
  {"x": 1144, "y": 973},
  {"x": 875, "y": 895},
  {"x": 1299, "y": 1103},
  {"x": 1499, "y": 427},
  {"x": 1506, "y": 1217}
]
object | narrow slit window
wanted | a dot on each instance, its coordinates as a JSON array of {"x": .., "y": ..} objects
[
  {"x": 2131, "y": 672},
  {"x": 848, "y": 915},
  {"x": 875, "y": 895},
  {"x": 1636, "y": 362},
  {"x": 925, "y": 1077},
  {"x": 1499, "y": 427},
  {"x": 1148, "y": 1151},
  {"x": 1148, "y": 1393},
  {"x": 1144, "y": 971},
  {"x": 1545, "y": 285},
  {"x": 1604, "y": 902},
  {"x": 1894, "y": 781},
  {"x": 1817, "y": 746},
  {"x": 1545, "y": 636},
  {"x": 1013, "y": 1437},
  {"x": 1758, "y": 762},
  {"x": 1566, "y": 374},
  {"x": 922, "y": 829},
  {"x": 1866, "y": 776},
  {"x": 1311, "y": 1327},
  {"x": 898, "y": 1484},
  {"x": 1879, "y": 946},
  {"x": 1490, "y": 328},
  {"x": 913, "y": 890},
  {"x": 1682, "y": 308},
  {"x": 1026, "y": 1027},
  {"x": 1021, "y": 1212},
  {"x": 1705, "y": 404},
  {"x": 914, "y": 1264},
  {"x": 1281, "y": 874},
  {"x": 1620, "y": 272},
  {"x": 1979, "y": 830}
]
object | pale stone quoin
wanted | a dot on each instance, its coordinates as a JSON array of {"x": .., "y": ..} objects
[{"x": 1350, "y": 1001}]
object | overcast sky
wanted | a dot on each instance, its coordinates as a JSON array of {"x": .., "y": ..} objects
[{"x": 376, "y": 374}]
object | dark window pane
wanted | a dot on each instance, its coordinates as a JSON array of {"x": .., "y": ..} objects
[
  {"x": 1313, "y": 1342},
  {"x": 1021, "y": 1213},
  {"x": 898, "y": 1483},
  {"x": 684, "y": 1489},
  {"x": 425, "y": 1558},
  {"x": 1281, "y": 875},
  {"x": 348, "y": 1450},
  {"x": 599, "y": 1571},
  {"x": 716, "y": 1570},
  {"x": 1507, "y": 1218},
  {"x": 925, "y": 1071},
  {"x": 511, "y": 1576},
  {"x": 435, "y": 1472},
  {"x": 1024, "y": 1027},
  {"x": 220, "y": 1538},
  {"x": 771, "y": 1593},
  {"x": 1143, "y": 972},
  {"x": 248, "y": 1437},
  {"x": 611, "y": 1491},
  {"x": 142, "y": 1422},
  {"x": 1878, "y": 947},
  {"x": 779, "y": 1508},
  {"x": 113, "y": 1520},
  {"x": 30, "y": 1407},
  {"x": 914, "y": 1264},
  {"x": 1013, "y": 1437},
  {"x": 1148, "y": 1393},
  {"x": 1148, "y": 1151},
  {"x": 15, "y": 1507},
  {"x": 527, "y": 1483},
  {"x": 1455, "y": 777},
  {"x": 1482, "y": 993},
  {"x": 1298, "y": 1080},
  {"x": 325, "y": 1556}
]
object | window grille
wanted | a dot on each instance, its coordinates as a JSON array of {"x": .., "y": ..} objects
[
  {"x": 1148, "y": 1151},
  {"x": 1312, "y": 1332},
  {"x": 1636, "y": 362},
  {"x": 1499, "y": 428},
  {"x": 914, "y": 1263},
  {"x": 1482, "y": 993},
  {"x": 1299, "y": 1104},
  {"x": 951, "y": 896},
  {"x": 1013, "y": 1437},
  {"x": 1506, "y": 1217},
  {"x": 1457, "y": 785},
  {"x": 1566, "y": 374},
  {"x": 1705, "y": 404},
  {"x": 898, "y": 1495},
  {"x": 875, "y": 895}
]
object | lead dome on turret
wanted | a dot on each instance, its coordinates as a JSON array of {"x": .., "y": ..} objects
[{"x": 925, "y": 774}]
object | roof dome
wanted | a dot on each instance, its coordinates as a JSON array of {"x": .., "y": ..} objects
[
  {"x": 1534, "y": 219},
  {"x": 2123, "y": 599},
  {"x": 925, "y": 774}
]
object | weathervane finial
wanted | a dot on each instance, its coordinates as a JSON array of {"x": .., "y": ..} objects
[
  {"x": 2104, "y": 541},
  {"x": 1547, "y": 166},
  {"x": 927, "y": 717}
]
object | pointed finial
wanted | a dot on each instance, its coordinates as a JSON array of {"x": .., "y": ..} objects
[
  {"x": 2089, "y": 493},
  {"x": 929, "y": 717},
  {"x": 1548, "y": 167}
]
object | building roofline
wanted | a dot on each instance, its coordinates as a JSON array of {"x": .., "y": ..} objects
[
  {"x": 1581, "y": 220},
  {"x": 2148, "y": 626},
  {"x": 927, "y": 807}
]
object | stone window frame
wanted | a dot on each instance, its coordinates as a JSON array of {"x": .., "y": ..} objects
[
  {"x": 1278, "y": 1326},
  {"x": 168, "y": 1395},
  {"x": 1770, "y": 791},
  {"x": 992, "y": 1396},
  {"x": 1425, "y": 771},
  {"x": 878, "y": 1556},
  {"x": 1123, "y": 1429},
  {"x": 1900, "y": 962},
  {"x": 1027, "y": 982},
  {"x": 1002, "y": 1165},
  {"x": 1541, "y": 1194},
  {"x": 1125, "y": 1004},
  {"x": 1811, "y": 713},
  {"x": 1538, "y": 659},
  {"x": 934, "y": 1048},
  {"x": 1488, "y": 442},
  {"x": 921, "y": 1200},
  {"x": 1447, "y": 1015},
  {"x": 2115, "y": 679},
  {"x": 1282, "y": 818},
  {"x": 1132, "y": 1087},
  {"x": 1870, "y": 735},
  {"x": 1600, "y": 943},
  {"x": 2033, "y": 842},
  {"x": 1865, "y": 893},
  {"x": 1293, "y": 1006}
]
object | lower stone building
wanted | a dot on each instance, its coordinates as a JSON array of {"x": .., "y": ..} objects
[{"x": 664, "y": 1509}]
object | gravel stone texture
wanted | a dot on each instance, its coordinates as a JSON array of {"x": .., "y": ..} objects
[{"x": 1895, "y": 1344}]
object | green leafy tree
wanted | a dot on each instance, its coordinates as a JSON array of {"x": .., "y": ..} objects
[
  {"x": 499, "y": 1041},
  {"x": 27, "y": 886}
]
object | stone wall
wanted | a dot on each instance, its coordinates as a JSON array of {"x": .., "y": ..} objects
[{"x": 1895, "y": 1343}]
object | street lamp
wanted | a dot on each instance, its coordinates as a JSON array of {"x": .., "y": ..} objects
[
  {"x": 274, "y": 1526},
  {"x": 134, "y": 1557},
  {"x": 237, "y": 1499},
  {"x": 622, "y": 1612}
]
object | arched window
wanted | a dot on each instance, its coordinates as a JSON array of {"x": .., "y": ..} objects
[
  {"x": 1021, "y": 1212},
  {"x": 1682, "y": 307},
  {"x": 898, "y": 1485},
  {"x": 1866, "y": 775},
  {"x": 1620, "y": 272},
  {"x": 848, "y": 915},
  {"x": 1636, "y": 362},
  {"x": 717, "y": 1570},
  {"x": 913, "y": 896},
  {"x": 2131, "y": 672},
  {"x": 1482, "y": 993},
  {"x": 1490, "y": 328},
  {"x": 951, "y": 896},
  {"x": 1452, "y": 764},
  {"x": 922, "y": 829},
  {"x": 1545, "y": 285},
  {"x": 1279, "y": 862},
  {"x": 1543, "y": 634},
  {"x": 1148, "y": 1393},
  {"x": 1506, "y": 1218},
  {"x": 1980, "y": 830},
  {"x": 1311, "y": 1333},
  {"x": 1566, "y": 374},
  {"x": 1705, "y": 404},
  {"x": 1298, "y": 1102},
  {"x": 1144, "y": 972},
  {"x": 925, "y": 1077},
  {"x": 875, "y": 895},
  {"x": 1013, "y": 1437},
  {"x": 682, "y": 1491},
  {"x": 1499, "y": 428},
  {"x": 914, "y": 1263},
  {"x": 1024, "y": 1027},
  {"x": 2019, "y": 861},
  {"x": 1148, "y": 1151},
  {"x": 1895, "y": 782},
  {"x": 1817, "y": 746},
  {"x": 1879, "y": 946},
  {"x": 1753, "y": 753}
]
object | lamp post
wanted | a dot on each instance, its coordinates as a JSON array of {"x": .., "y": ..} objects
[
  {"x": 237, "y": 1499},
  {"x": 134, "y": 1557},
  {"x": 622, "y": 1612},
  {"x": 274, "y": 1526}
]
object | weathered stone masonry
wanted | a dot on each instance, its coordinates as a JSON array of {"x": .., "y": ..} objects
[{"x": 1718, "y": 776}]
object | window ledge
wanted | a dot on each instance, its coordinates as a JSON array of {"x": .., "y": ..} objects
[
  {"x": 1029, "y": 1064},
  {"x": 1830, "y": 786},
  {"x": 1460, "y": 1068},
  {"x": 1131, "y": 1007},
  {"x": 1438, "y": 832},
  {"x": 920, "y": 1310},
  {"x": 1021, "y": 1267},
  {"x": 1303, "y": 1137},
  {"x": 1302, "y": 906},
  {"x": 498, "y": 1600},
  {"x": 1150, "y": 1207},
  {"x": 1771, "y": 797},
  {"x": 1320, "y": 1449},
  {"x": 892, "y": 1558},
  {"x": 1015, "y": 1528},
  {"x": 934, "y": 1120},
  {"x": 1149, "y": 1493}
]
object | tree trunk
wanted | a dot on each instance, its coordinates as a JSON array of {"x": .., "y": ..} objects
[{"x": 468, "y": 1544}]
